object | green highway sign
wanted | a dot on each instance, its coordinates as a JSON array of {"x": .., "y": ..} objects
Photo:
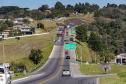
[{"x": 71, "y": 46}]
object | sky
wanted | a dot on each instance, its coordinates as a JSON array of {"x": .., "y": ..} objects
[{"x": 33, "y": 4}]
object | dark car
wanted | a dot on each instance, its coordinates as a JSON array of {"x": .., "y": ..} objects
[{"x": 67, "y": 57}]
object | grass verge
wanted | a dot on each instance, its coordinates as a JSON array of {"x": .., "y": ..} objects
[
  {"x": 96, "y": 69},
  {"x": 17, "y": 51}
]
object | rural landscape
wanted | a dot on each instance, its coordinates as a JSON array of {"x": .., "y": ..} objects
[{"x": 80, "y": 43}]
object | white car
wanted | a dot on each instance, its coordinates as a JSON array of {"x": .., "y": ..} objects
[
  {"x": 5, "y": 77},
  {"x": 66, "y": 73}
]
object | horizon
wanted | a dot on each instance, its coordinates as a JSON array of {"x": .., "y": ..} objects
[{"x": 34, "y": 4}]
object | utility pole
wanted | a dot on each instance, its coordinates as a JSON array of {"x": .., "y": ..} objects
[
  {"x": 3, "y": 51},
  {"x": 81, "y": 50}
]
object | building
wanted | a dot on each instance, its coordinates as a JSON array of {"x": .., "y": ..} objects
[
  {"x": 121, "y": 58},
  {"x": 1, "y": 37},
  {"x": 26, "y": 30}
]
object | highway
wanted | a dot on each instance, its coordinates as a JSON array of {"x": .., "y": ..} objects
[
  {"x": 51, "y": 72},
  {"x": 49, "y": 69}
]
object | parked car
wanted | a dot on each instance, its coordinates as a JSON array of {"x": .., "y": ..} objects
[
  {"x": 5, "y": 77},
  {"x": 66, "y": 73}
]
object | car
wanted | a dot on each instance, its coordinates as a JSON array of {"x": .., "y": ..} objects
[
  {"x": 66, "y": 52},
  {"x": 66, "y": 73},
  {"x": 67, "y": 57},
  {"x": 5, "y": 77}
]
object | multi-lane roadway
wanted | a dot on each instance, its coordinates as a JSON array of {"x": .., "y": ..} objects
[{"x": 51, "y": 72}]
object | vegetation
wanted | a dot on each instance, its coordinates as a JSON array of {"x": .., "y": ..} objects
[
  {"x": 35, "y": 56},
  {"x": 17, "y": 51},
  {"x": 40, "y": 25}
]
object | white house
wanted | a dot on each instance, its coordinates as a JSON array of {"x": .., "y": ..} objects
[
  {"x": 121, "y": 58},
  {"x": 26, "y": 30}
]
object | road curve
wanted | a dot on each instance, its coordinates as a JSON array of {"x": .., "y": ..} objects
[{"x": 49, "y": 68}]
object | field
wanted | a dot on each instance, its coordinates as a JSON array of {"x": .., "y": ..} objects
[
  {"x": 48, "y": 24},
  {"x": 17, "y": 51}
]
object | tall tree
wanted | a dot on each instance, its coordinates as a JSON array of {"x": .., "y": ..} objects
[
  {"x": 43, "y": 8},
  {"x": 95, "y": 42},
  {"x": 59, "y": 6},
  {"x": 81, "y": 32}
]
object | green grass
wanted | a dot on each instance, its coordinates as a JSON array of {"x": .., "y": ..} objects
[
  {"x": 96, "y": 69},
  {"x": 113, "y": 80},
  {"x": 48, "y": 24},
  {"x": 86, "y": 52},
  {"x": 17, "y": 51}
]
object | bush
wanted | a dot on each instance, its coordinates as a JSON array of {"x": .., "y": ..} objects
[
  {"x": 18, "y": 67},
  {"x": 35, "y": 56}
]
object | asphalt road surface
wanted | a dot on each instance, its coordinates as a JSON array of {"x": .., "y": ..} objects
[
  {"x": 49, "y": 69},
  {"x": 51, "y": 73}
]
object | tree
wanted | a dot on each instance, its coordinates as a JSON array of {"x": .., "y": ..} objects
[
  {"x": 122, "y": 6},
  {"x": 106, "y": 56},
  {"x": 9, "y": 23},
  {"x": 69, "y": 7},
  {"x": 95, "y": 42},
  {"x": 40, "y": 25},
  {"x": 81, "y": 33},
  {"x": 59, "y": 6},
  {"x": 26, "y": 21},
  {"x": 36, "y": 56},
  {"x": 43, "y": 8},
  {"x": 3, "y": 26},
  {"x": 112, "y": 5}
]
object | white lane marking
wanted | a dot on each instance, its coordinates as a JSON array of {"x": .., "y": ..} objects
[{"x": 28, "y": 77}]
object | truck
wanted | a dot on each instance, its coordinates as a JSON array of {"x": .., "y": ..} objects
[{"x": 5, "y": 76}]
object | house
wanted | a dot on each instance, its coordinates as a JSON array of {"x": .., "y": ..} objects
[
  {"x": 18, "y": 21},
  {"x": 26, "y": 30},
  {"x": 6, "y": 33},
  {"x": 29, "y": 19},
  {"x": 121, "y": 58},
  {"x": 1, "y": 37},
  {"x": 3, "y": 20}
]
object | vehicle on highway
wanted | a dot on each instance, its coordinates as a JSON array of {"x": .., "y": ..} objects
[
  {"x": 66, "y": 52},
  {"x": 67, "y": 57},
  {"x": 5, "y": 77},
  {"x": 66, "y": 73}
]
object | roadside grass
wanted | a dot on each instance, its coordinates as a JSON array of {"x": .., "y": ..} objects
[
  {"x": 86, "y": 18},
  {"x": 113, "y": 80},
  {"x": 96, "y": 69},
  {"x": 48, "y": 24},
  {"x": 83, "y": 50},
  {"x": 17, "y": 51}
]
